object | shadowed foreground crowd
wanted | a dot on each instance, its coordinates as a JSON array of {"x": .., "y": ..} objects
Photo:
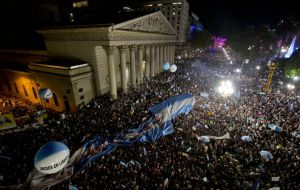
[{"x": 179, "y": 160}]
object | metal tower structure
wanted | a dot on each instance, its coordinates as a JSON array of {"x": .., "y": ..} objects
[{"x": 272, "y": 68}]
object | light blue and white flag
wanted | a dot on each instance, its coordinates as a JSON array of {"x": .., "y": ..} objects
[
  {"x": 276, "y": 128},
  {"x": 246, "y": 139},
  {"x": 168, "y": 111},
  {"x": 266, "y": 155}
]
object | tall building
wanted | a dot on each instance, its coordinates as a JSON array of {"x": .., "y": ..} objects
[{"x": 176, "y": 11}]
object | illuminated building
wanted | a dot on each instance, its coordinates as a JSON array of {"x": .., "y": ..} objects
[{"x": 90, "y": 60}]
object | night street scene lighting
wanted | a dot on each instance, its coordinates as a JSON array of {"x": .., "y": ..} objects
[
  {"x": 226, "y": 88},
  {"x": 149, "y": 94}
]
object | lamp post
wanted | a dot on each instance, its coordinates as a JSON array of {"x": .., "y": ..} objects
[{"x": 290, "y": 86}]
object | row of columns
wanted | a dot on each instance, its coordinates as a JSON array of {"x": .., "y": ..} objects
[{"x": 154, "y": 56}]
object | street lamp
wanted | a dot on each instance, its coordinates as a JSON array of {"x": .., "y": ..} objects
[
  {"x": 257, "y": 67},
  {"x": 290, "y": 86}
]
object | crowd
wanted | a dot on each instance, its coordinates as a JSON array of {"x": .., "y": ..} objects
[
  {"x": 23, "y": 110},
  {"x": 18, "y": 107},
  {"x": 179, "y": 160}
]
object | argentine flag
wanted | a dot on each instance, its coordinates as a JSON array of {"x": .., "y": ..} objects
[{"x": 168, "y": 111}]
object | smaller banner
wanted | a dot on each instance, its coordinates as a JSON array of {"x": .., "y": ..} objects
[{"x": 7, "y": 121}]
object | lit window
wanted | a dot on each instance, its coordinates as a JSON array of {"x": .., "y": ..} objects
[
  {"x": 159, "y": 4},
  {"x": 34, "y": 93},
  {"x": 55, "y": 99},
  {"x": 149, "y": 5},
  {"x": 127, "y": 8},
  {"x": 71, "y": 17},
  {"x": 25, "y": 91},
  {"x": 80, "y": 4},
  {"x": 16, "y": 88},
  {"x": 179, "y": 3},
  {"x": 173, "y": 13}
]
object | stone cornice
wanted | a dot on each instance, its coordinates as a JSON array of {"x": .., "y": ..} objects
[
  {"x": 75, "y": 34},
  {"x": 153, "y": 23},
  {"x": 102, "y": 34}
]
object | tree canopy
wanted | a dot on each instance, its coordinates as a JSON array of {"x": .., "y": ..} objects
[
  {"x": 200, "y": 39},
  {"x": 254, "y": 41},
  {"x": 292, "y": 66}
]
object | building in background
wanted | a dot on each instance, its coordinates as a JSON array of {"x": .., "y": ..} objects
[{"x": 176, "y": 11}]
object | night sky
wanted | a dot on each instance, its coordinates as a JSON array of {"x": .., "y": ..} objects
[{"x": 221, "y": 17}]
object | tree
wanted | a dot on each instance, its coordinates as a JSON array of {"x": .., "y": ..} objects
[
  {"x": 254, "y": 42},
  {"x": 241, "y": 41},
  {"x": 292, "y": 66},
  {"x": 265, "y": 41},
  {"x": 200, "y": 39}
]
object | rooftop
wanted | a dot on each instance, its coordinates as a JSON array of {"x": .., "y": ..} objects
[{"x": 62, "y": 63}]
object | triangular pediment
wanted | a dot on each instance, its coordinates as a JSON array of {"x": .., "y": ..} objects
[{"x": 154, "y": 22}]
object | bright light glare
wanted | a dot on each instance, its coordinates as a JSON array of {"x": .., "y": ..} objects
[
  {"x": 257, "y": 67},
  {"x": 226, "y": 88},
  {"x": 295, "y": 78},
  {"x": 238, "y": 70},
  {"x": 283, "y": 49},
  {"x": 290, "y": 86}
]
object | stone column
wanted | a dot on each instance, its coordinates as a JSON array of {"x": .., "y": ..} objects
[
  {"x": 140, "y": 73},
  {"x": 161, "y": 58},
  {"x": 147, "y": 62},
  {"x": 170, "y": 53},
  {"x": 173, "y": 53},
  {"x": 132, "y": 65},
  {"x": 171, "y": 50},
  {"x": 165, "y": 54},
  {"x": 111, "y": 71},
  {"x": 122, "y": 50},
  {"x": 157, "y": 71},
  {"x": 152, "y": 68}
]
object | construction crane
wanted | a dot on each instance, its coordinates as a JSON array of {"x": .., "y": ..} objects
[{"x": 272, "y": 68}]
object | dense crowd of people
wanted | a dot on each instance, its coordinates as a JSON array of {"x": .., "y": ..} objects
[
  {"x": 18, "y": 107},
  {"x": 179, "y": 160},
  {"x": 22, "y": 110}
]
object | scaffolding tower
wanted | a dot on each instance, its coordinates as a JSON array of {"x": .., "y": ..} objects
[{"x": 272, "y": 68}]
